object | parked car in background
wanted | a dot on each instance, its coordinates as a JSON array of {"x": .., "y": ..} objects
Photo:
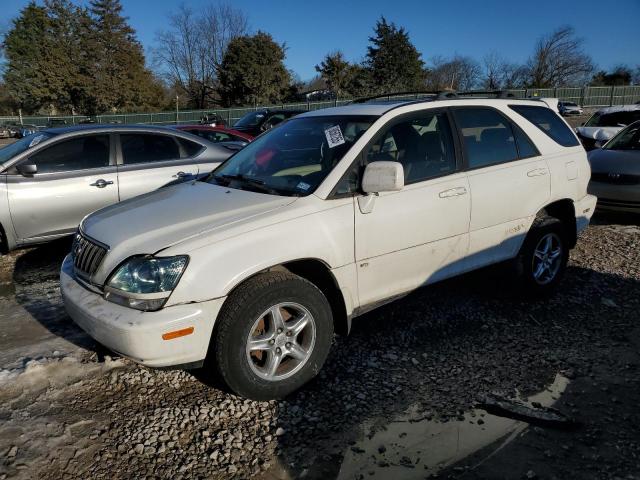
[
  {"x": 569, "y": 108},
  {"x": 56, "y": 122},
  {"x": 212, "y": 120},
  {"x": 615, "y": 171},
  {"x": 254, "y": 123},
  {"x": 50, "y": 180},
  {"x": 216, "y": 134},
  {"x": 5, "y": 132},
  {"x": 321, "y": 219},
  {"x": 14, "y": 129},
  {"x": 605, "y": 123}
]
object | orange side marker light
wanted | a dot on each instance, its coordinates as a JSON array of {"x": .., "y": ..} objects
[{"x": 177, "y": 333}]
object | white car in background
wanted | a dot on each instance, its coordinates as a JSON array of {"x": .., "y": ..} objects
[
  {"x": 250, "y": 271},
  {"x": 569, "y": 108},
  {"x": 605, "y": 123}
]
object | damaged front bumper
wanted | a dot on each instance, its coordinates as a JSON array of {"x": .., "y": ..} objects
[{"x": 139, "y": 335}]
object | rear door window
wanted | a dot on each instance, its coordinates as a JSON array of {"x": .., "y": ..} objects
[
  {"x": 549, "y": 123},
  {"x": 189, "y": 148},
  {"x": 148, "y": 148},
  {"x": 81, "y": 153},
  {"x": 487, "y": 136}
]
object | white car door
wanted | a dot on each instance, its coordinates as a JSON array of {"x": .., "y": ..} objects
[
  {"x": 509, "y": 182},
  {"x": 419, "y": 234},
  {"x": 148, "y": 161},
  {"x": 74, "y": 177}
]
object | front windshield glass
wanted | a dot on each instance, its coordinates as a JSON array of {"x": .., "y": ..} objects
[
  {"x": 293, "y": 158},
  {"x": 251, "y": 119},
  {"x": 9, "y": 151},
  {"x": 627, "y": 139}
]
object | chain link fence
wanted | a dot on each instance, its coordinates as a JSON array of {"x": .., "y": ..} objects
[{"x": 584, "y": 96}]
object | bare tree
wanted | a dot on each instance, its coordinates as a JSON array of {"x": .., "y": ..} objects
[
  {"x": 499, "y": 73},
  {"x": 191, "y": 50},
  {"x": 558, "y": 59},
  {"x": 457, "y": 73}
]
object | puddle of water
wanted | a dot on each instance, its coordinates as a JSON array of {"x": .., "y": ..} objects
[{"x": 412, "y": 448}]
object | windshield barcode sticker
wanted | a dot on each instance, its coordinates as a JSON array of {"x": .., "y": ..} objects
[
  {"x": 334, "y": 136},
  {"x": 303, "y": 186}
]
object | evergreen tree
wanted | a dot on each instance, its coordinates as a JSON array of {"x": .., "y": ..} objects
[
  {"x": 66, "y": 62},
  {"x": 336, "y": 72},
  {"x": 120, "y": 79},
  {"x": 393, "y": 61},
  {"x": 252, "y": 71},
  {"x": 26, "y": 48}
]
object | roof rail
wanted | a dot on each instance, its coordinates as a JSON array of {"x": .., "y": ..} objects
[
  {"x": 496, "y": 93},
  {"x": 437, "y": 95}
]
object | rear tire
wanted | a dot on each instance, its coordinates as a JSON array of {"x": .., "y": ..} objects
[
  {"x": 543, "y": 258},
  {"x": 272, "y": 336}
]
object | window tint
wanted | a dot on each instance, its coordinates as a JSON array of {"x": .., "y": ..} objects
[
  {"x": 189, "y": 149},
  {"x": 76, "y": 154},
  {"x": 526, "y": 148},
  {"x": 145, "y": 148},
  {"x": 212, "y": 135},
  {"x": 424, "y": 146},
  {"x": 549, "y": 123},
  {"x": 487, "y": 135}
]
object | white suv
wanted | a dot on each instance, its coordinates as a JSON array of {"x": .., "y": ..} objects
[{"x": 334, "y": 212}]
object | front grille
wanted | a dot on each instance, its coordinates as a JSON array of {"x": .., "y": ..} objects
[
  {"x": 87, "y": 255},
  {"x": 616, "y": 178}
]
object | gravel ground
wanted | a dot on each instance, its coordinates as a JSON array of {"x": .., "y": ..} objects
[{"x": 421, "y": 363}]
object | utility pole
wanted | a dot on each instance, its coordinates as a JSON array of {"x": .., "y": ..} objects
[{"x": 176, "y": 109}]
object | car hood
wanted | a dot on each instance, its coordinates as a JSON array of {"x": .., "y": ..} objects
[
  {"x": 615, "y": 161},
  {"x": 598, "y": 133},
  {"x": 160, "y": 219}
]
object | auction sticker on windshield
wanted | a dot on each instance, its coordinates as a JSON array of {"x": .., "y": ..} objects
[{"x": 334, "y": 136}]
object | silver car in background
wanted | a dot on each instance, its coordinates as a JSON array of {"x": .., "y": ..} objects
[
  {"x": 615, "y": 171},
  {"x": 50, "y": 180}
]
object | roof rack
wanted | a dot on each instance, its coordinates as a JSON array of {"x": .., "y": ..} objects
[
  {"x": 437, "y": 95},
  {"x": 495, "y": 93}
]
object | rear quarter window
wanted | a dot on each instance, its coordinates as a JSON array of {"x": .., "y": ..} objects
[{"x": 549, "y": 123}]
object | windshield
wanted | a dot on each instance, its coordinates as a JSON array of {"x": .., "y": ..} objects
[
  {"x": 293, "y": 158},
  {"x": 16, "y": 148},
  {"x": 614, "y": 119},
  {"x": 251, "y": 119},
  {"x": 569, "y": 104},
  {"x": 627, "y": 139}
]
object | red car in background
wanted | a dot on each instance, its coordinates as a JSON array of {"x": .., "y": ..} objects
[{"x": 217, "y": 134}]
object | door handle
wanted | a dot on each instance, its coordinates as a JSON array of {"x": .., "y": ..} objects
[
  {"x": 453, "y": 192},
  {"x": 537, "y": 172},
  {"x": 101, "y": 183}
]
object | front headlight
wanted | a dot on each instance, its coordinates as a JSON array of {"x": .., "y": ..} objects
[{"x": 145, "y": 283}]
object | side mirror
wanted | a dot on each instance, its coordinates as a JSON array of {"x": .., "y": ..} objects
[
  {"x": 27, "y": 170},
  {"x": 383, "y": 176}
]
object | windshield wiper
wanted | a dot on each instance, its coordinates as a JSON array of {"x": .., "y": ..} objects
[{"x": 253, "y": 182}]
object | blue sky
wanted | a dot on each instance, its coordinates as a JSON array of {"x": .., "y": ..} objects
[{"x": 474, "y": 28}]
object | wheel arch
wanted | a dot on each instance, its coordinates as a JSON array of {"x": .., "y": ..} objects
[
  {"x": 319, "y": 273},
  {"x": 4, "y": 240},
  {"x": 563, "y": 210}
]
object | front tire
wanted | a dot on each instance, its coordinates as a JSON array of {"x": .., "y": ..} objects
[
  {"x": 543, "y": 257},
  {"x": 272, "y": 336}
]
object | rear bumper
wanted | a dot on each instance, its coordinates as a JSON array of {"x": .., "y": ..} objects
[
  {"x": 136, "y": 334},
  {"x": 584, "y": 209}
]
